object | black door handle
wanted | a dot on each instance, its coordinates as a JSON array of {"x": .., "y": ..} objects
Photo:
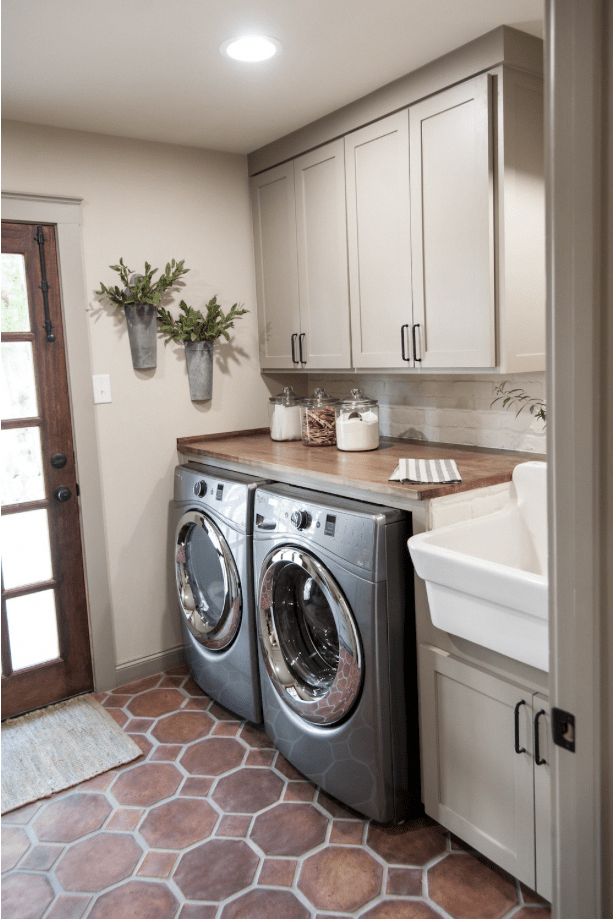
[
  {"x": 301, "y": 348},
  {"x": 62, "y": 494},
  {"x": 538, "y": 759},
  {"x": 58, "y": 459},
  {"x": 405, "y": 357},
  {"x": 416, "y": 357},
  {"x": 293, "y": 341},
  {"x": 516, "y": 728}
]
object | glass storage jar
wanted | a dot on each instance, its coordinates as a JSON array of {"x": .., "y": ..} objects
[
  {"x": 357, "y": 423},
  {"x": 319, "y": 419},
  {"x": 285, "y": 416}
]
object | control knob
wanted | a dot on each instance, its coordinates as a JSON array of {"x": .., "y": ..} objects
[
  {"x": 200, "y": 488},
  {"x": 300, "y": 518}
]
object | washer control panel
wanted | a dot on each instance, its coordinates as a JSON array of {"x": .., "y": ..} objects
[{"x": 200, "y": 488}]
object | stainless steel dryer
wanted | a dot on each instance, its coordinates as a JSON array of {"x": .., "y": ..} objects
[
  {"x": 214, "y": 580},
  {"x": 336, "y": 646}
]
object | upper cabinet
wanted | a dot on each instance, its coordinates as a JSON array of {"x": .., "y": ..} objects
[
  {"x": 299, "y": 219},
  {"x": 379, "y": 229},
  {"x": 440, "y": 208},
  {"x": 273, "y": 213},
  {"x": 452, "y": 227}
]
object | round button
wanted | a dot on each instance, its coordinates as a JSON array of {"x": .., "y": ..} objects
[
  {"x": 200, "y": 488},
  {"x": 301, "y": 519}
]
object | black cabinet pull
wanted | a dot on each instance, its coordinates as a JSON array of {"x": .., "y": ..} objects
[
  {"x": 416, "y": 357},
  {"x": 293, "y": 341},
  {"x": 516, "y": 728},
  {"x": 301, "y": 348},
  {"x": 405, "y": 357},
  {"x": 538, "y": 759}
]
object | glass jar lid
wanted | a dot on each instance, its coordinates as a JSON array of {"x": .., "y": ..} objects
[
  {"x": 320, "y": 398},
  {"x": 358, "y": 400},
  {"x": 287, "y": 397}
]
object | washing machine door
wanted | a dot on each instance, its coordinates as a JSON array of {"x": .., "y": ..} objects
[
  {"x": 208, "y": 583},
  {"x": 308, "y": 637}
]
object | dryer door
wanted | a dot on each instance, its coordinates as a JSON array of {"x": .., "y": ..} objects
[
  {"x": 208, "y": 582},
  {"x": 308, "y": 637}
]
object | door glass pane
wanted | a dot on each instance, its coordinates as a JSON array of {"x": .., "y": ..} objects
[
  {"x": 306, "y": 628},
  {"x": 33, "y": 629},
  {"x": 18, "y": 384},
  {"x": 26, "y": 556},
  {"x": 205, "y": 574},
  {"x": 22, "y": 466},
  {"x": 15, "y": 314}
]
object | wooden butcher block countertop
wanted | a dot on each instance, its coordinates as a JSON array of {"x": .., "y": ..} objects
[{"x": 360, "y": 474}]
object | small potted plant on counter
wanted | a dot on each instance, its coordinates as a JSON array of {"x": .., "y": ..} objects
[
  {"x": 198, "y": 332},
  {"x": 141, "y": 296}
]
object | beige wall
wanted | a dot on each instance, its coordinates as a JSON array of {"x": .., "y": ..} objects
[{"x": 149, "y": 201}]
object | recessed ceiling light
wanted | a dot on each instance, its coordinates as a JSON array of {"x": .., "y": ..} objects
[{"x": 250, "y": 48}]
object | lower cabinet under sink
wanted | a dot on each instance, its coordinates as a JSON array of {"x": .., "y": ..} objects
[{"x": 484, "y": 744}]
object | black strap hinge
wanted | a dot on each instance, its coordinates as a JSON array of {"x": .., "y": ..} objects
[{"x": 44, "y": 286}]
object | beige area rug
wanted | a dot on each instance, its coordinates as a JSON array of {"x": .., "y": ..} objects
[{"x": 60, "y": 746}]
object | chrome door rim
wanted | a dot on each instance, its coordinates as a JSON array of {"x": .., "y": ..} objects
[
  {"x": 331, "y": 707},
  {"x": 220, "y": 635}
]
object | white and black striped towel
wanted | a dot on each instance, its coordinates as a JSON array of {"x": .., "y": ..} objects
[{"x": 443, "y": 470}]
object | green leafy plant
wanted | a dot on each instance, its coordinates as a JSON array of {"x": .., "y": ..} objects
[
  {"x": 193, "y": 326},
  {"x": 516, "y": 398},
  {"x": 143, "y": 288}
]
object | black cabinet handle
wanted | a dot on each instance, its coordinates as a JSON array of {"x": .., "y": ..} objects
[
  {"x": 416, "y": 357},
  {"x": 405, "y": 357},
  {"x": 538, "y": 759},
  {"x": 301, "y": 348},
  {"x": 516, "y": 728},
  {"x": 293, "y": 341}
]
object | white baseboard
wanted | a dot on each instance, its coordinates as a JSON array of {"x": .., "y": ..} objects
[{"x": 148, "y": 665}]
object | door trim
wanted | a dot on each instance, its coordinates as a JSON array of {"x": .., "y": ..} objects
[{"x": 65, "y": 213}]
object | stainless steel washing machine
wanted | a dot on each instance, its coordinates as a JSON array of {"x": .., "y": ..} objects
[
  {"x": 214, "y": 579},
  {"x": 336, "y": 645}
]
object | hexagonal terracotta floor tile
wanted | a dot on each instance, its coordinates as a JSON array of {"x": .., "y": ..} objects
[
  {"x": 408, "y": 843},
  {"x": 248, "y": 790},
  {"x": 178, "y": 823},
  {"x": 71, "y": 817},
  {"x": 137, "y": 685},
  {"x": 156, "y": 702},
  {"x": 340, "y": 879},
  {"x": 136, "y": 900},
  {"x": 467, "y": 888},
  {"x": 289, "y": 829},
  {"x": 184, "y": 727},
  {"x": 213, "y": 756},
  {"x": 401, "y": 909},
  {"x": 25, "y": 896},
  {"x": 15, "y": 843},
  {"x": 255, "y": 737},
  {"x": 216, "y": 869},
  {"x": 533, "y": 912},
  {"x": 265, "y": 904},
  {"x": 98, "y": 862},
  {"x": 146, "y": 784}
]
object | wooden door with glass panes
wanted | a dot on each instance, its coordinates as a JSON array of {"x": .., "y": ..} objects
[{"x": 45, "y": 637}]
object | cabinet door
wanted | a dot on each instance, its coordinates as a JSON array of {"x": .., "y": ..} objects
[
  {"x": 273, "y": 213},
  {"x": 379, "y": 223},
  {"x": 322, "y": 251},
  {"x": 474, "y": 782},
  {"x": 452, "y": 226},
  {"x": 543, "y": 810}
]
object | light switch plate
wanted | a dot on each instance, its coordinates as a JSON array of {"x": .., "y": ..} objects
[{"x": 101, "y": 388}]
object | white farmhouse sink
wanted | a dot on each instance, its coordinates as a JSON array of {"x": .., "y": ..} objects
[{"x": 487, "y": 579}]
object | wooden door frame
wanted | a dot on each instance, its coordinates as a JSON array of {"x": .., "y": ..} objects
[
  {"x": 579, "y": 386},
  {"x": 65, "y": 214}
]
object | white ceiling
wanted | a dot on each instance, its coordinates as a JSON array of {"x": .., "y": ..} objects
[{"x": 152, "y": 69}]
